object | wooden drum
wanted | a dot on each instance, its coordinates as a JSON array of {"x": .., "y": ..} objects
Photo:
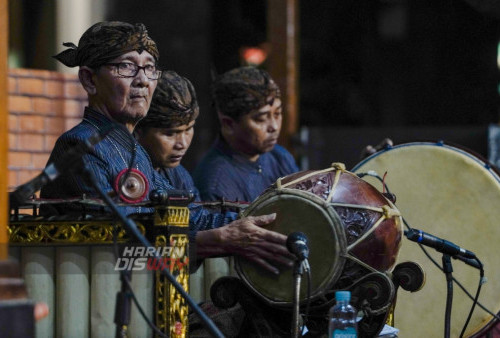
[{"x": 352, "y": 230}]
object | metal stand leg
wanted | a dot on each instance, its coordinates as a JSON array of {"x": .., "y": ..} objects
[
  {"x": 448, "y": 269},
  {"x": 298, "y": 270}
]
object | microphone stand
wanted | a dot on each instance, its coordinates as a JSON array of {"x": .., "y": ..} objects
[
  {"x": 448, "y": 269},
  {"x": 298, "y": 270},
  {"x": 122, "y": 307},
  {"x": 449, "y": 250},
  {"x": 133, "y": 232}
]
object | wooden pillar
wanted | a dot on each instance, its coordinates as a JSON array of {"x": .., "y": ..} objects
[
  {"x": 4, "y": 34},
  {"x": 283, "y": 34},
  {"x": 73, "y": 18}
]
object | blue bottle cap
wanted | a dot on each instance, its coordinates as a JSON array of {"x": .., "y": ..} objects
[{"x": 342, "y": 296}]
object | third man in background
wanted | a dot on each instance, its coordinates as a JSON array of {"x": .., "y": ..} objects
[{"x": 245, "y": 159}]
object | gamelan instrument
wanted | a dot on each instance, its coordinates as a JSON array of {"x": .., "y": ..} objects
[
  {"x": 70, "y": 262},
  {"x": 354, "y": 234}
]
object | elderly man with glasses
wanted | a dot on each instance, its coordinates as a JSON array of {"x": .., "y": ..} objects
[{"x": 118, "y": 69}]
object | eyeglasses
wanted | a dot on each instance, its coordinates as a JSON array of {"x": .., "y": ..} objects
[{"x": 128, "y": 69}]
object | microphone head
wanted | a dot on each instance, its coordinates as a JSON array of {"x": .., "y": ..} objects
[
  {"x": 295, "y": 237},
  {"x": 412, "y": 234},
  {"x": 296, "y": 243}
]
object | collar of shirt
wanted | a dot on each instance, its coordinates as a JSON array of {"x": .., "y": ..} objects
[
  {"x": 119, "y": 135},
  {"x": 224, "y": 147}
]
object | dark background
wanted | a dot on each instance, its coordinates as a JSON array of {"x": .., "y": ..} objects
[{"x": 409, "y": 70}]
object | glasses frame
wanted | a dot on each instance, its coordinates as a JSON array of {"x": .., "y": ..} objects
[{"x": 137, "y": 69}]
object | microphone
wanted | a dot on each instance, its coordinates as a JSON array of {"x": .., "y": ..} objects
[
  {"x": 470, "y": 261},
  {"x": 69, "y": 160},
  {"x": 171, "y": 197},
  {"x": 437, "y": 243},
  {"x": 296, "y": 243}
]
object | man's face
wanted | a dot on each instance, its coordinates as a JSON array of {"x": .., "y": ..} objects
[
  {"x": 125, "y": 99},
  {"x": 167, "y": 146},
  {"x": 257, "y": 132}
]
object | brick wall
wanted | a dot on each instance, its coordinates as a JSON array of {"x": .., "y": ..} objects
[{"x": 42, "y": 105}]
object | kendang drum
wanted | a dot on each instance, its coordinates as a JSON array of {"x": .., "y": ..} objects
[
  {"x": 453, "y": 194},
  {"x": 354, "y": 234}
]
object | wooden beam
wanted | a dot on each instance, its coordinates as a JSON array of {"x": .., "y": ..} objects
[
  {"x": 4, "y": 38},
  {"x": 283, "y": 34}
]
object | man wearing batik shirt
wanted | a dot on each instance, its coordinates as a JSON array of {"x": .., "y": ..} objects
[
  {"x": 167, "y": 130},
  {"x": 118, "y": 69},
  {"x": 119, "y": 94},
  {"x": 245, "y": 159}
]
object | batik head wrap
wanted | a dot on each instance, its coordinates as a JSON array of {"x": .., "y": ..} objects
[
  {"x": 105, "y": 41},
  {"x": 242, "y": 90},
  {"x": 174, "y": 103}
]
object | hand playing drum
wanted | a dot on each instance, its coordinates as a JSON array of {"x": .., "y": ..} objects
[{"x": 247, "y": 238}]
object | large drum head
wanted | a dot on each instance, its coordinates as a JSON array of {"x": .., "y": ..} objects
[
  {"x": 452, "y": 194},
  {"x": 298, "y": 211}
]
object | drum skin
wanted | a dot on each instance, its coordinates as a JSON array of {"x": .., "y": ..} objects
[
  {"x": 351, "y": 227},
  {"x": 453, "y": 194}
]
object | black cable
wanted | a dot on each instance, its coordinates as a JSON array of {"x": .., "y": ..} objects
[
  {"x": 129, "y": 287},
  {"x": 143, "y": 314},
  {"x": 475, "y": 299},
  {"x": 454, "y": 280},
  {"x": 377, "y": 176},
  {"x": 134, "y": 152}
]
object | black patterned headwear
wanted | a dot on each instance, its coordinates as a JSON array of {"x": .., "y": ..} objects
[
  {"x": 242, "y": 90},
  {"x": 105, "y": 41},
  {"x": 174, "y": 103}
]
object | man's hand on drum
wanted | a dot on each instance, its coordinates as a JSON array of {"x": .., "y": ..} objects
[{"x": 247, "y": 238}]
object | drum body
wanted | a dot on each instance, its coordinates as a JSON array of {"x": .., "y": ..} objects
[
  {"x": 452, "y": 194},
  {"x": 352, "y": 231}
]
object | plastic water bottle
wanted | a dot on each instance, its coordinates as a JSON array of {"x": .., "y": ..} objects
[{"x": 342, "y": 317}]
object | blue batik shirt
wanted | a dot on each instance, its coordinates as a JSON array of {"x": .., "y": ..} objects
[
  {"x": 225, "y": 174},
  {"x": 106, "y": 160},
  {"x": 180, "y": 178}
]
